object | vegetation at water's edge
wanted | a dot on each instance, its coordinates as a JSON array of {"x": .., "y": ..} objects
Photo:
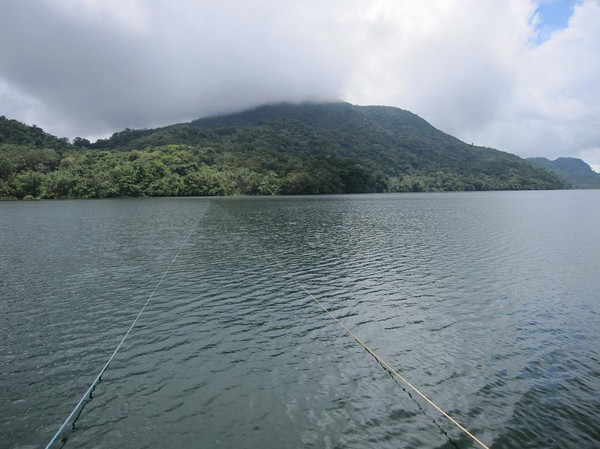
[{"x": 283, "y": 149}]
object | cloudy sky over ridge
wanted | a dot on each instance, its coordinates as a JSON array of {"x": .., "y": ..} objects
[{"x": 517, "y": 75}]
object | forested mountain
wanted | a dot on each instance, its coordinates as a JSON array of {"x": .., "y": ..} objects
[
  {"x": 579, "y": 174},
  {"x": 285, "y": 148},
  {"x": 13, "y": 132}
]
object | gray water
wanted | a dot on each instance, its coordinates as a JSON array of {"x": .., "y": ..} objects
[{"x": 488, "y": 302}]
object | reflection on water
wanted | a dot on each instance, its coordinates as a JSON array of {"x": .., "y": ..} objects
[{"x": 488, "y": 302}]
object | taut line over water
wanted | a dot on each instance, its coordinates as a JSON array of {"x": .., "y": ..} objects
[
  {"x": 82, "y": 402},
  {"x": 89, "y": 391},
  {"x": 376, "y": 356}
]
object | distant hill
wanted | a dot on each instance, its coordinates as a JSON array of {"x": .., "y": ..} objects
[
  {"x": 388, "y": 148},
  {"x": 308, "y": 148},
  {"x": 575, "y": 171}
]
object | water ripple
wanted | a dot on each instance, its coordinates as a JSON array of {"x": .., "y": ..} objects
[{"x": 494, "y": 318}]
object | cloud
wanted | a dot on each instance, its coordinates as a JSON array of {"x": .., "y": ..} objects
[
  {"x": 450, "y": 61},
  {"x": 104, "y": 65},
  {"x": 555, "y": 108},
  {"x": 478, "y": 69},
  {"x": 473, "y": 68}
]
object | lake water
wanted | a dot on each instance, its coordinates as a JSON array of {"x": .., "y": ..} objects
[{"x": 487, "y": 302}]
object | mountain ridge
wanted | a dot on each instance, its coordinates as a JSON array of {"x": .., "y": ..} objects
[
  {"x": 396, "y": 139},
  {"x": 284, "y": 148},
  {"x": 577, "y": 172}
]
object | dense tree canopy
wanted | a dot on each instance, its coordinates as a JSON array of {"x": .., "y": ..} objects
[{"x": 278, "y": 149}]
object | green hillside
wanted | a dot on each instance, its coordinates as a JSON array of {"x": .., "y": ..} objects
[
  {"x": 13, "y": 132},
  {"x": 307, "y": 148},
  {"x": 577, "y": 173}
]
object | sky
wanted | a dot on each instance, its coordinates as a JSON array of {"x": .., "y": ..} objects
[{"x": 521, "y": 76}]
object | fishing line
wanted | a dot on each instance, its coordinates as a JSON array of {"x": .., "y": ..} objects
[
  {"x": 421, "y": 409},
  {"x": 366, "y": 347},
  {"x": 88, "y": 393}
]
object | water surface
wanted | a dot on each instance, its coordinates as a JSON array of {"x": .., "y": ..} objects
[{"x": 488, "y": 302}]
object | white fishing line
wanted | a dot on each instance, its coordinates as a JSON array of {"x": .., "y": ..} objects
[
  {"x": 377, "y": 357},
  {"x": 106, "y": 365}
]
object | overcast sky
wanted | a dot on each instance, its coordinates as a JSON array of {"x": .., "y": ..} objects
[{"x": 518, "y": 75}]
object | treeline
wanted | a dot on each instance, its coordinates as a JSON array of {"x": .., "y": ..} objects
[
  {"x": 178, "y": 170},
  {"x": 280, "y": 149},
  {"x": 172, "y": 170}
]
